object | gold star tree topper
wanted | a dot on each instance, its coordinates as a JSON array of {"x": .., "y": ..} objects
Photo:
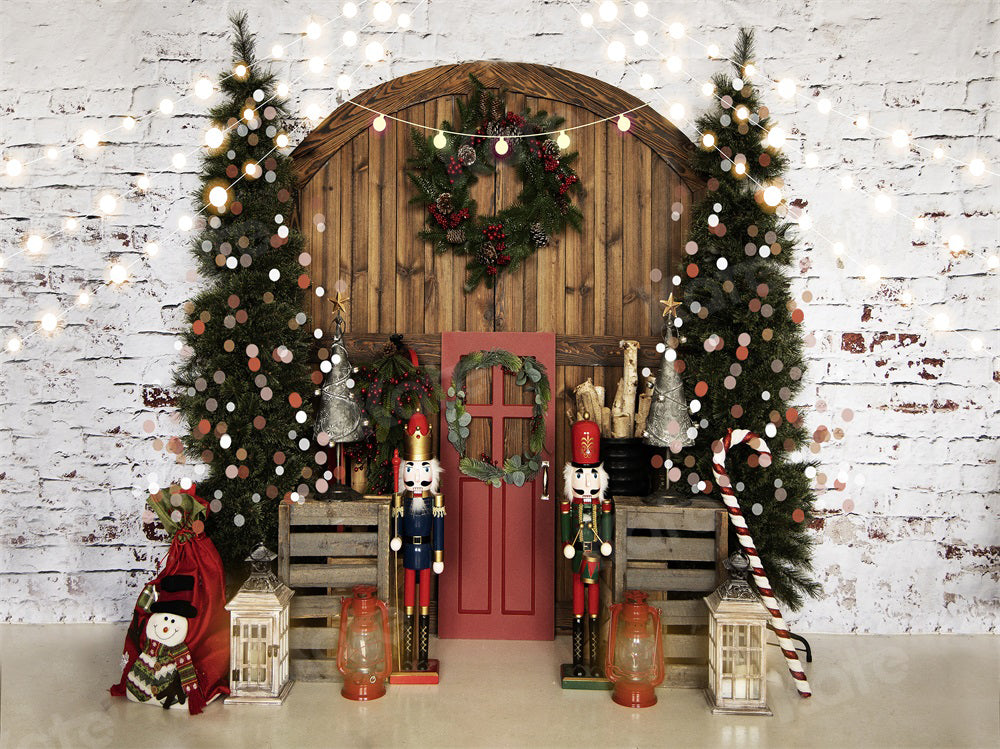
[
  {"x": 339, "y": 304},
  {"x": 670, "y": 306}
]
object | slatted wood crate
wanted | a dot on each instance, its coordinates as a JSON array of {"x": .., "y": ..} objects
[
  {"x": 674, "y": 553},
  {"x": 324, "y": 549}
]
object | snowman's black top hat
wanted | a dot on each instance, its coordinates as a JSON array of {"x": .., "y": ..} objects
[{"x": 174, "y": 594}]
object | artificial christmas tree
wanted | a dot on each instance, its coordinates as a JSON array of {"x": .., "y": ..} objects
[
  {"x": 740, "y": 350},
  {"x": 245, "y": 387}
]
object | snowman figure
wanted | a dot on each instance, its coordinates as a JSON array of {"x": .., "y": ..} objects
[{"x": 164, "y": 673}]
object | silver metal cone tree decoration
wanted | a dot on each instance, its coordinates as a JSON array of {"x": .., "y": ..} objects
[
  {"x": 340, "y": 416},
  {"x": 668, "y": 421}
]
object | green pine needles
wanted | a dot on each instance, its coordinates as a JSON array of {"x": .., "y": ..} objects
[
  {"x": 741, "y": 334},
  {"x": 245, "y": 389}
]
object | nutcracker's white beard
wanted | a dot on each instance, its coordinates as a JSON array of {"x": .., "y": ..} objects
[
  {"x": 436, "y": 472},
  {"x": 568, "y": 470}
]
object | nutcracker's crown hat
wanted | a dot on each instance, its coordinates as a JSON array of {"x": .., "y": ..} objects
[
  {"x": 174, "y": 594},
  {"x": 586, "y": 439},
  {"x": 419, "y": 444}
]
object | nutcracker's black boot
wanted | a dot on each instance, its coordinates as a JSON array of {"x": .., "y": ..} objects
[
  {"x": 408, "y": 640},
  {"x": 423, "y": 641},
  {"x": 578, "y": 669},
  {"x": 595, "y": 631}
]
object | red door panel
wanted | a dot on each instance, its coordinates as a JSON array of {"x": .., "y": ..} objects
[{"x": 499, "y": 576}]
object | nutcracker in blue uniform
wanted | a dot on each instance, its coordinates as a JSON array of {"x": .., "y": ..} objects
[
  {"x": 586, "y": 518},
  {"x": 418, "y": 529}
]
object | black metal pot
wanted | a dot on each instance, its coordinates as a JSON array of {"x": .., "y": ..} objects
[{"x": 627, "y": 461}]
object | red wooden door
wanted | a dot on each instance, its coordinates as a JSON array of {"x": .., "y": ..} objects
[{"x": 499, "y": 577}]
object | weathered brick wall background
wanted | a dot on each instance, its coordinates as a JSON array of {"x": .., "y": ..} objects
[{"x": 905, "y": 416}]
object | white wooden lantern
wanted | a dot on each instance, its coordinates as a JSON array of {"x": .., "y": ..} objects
[
  {"x": 737, "y": 640},
  {"x": 259, "y": 640}
]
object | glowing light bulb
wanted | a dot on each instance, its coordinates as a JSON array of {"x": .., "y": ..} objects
[
  {"x": 440, "y": 141},
  {"x": 708, "y": 140},
  {"x": 83, "y": 298},
  {"x": 313, "y": 112},
  {"x": 883, "y": 203},
  {"x": 14, "y": 168},
  {"x": 343, "y": 82},
  {"x": 316, "y": 64},
  {"x": 281, "y": 89},
  {"x": 861, "y": 122},
  {"x": 501, "y": 147},
  {"x": 805, "y": 221},
  {"x": 251, "y": 169},
  {"x": 128, "y": 122},
  {"x": 938, "y": 153},
  {"x": 624, "y": 123},
  {"x": 977, "y": 167},
  {"x": 674, "y": 64},
  {"x": 379, "y": 123},
  {"x": 742, "y": 112},
  {"x": 403, "y": 20},
  {"x": 846, "y": 182},
  {"x": 282, "y": 140},
  {"x": 71, "y": 224},
  {"x": 708, "y": 88},
  {"x": 641, "y": 38},
  {"x": 152, "y": 248},
  {"x": 142, "y": 182},
  {"x": 676, "y": 30},
  {"x": 184, "y": 223},
  {"x": 824, "y": 106},
  {"x": 977, "y": 344},
  {"x": 277, "y": 51},
  {"x": 52, "y": 153},
  {"x": 374, "y": 51},
  {"x": 118, "y": 273},
  {"x": 640, "y": 9},
  {"x": 108, "y": 203},
  {"x": 586, "y": 20},
  {"x": 203, "y": 88},
  {"x": 872, "y": 274},
  {"x": 812, "y": 160},
  {"x": 562, "y": 140},
  {"x": 90, "y": 139},
  {"x": 646, "y": 81},
  {"x": 382, "y": 12},
  {"x": 712, "y": 51},
  {"x": 616, "y": 51},
  {"x": 906, "y": 297},
  {"x": 740, "y": 168},
  {"x": 179, "y": 160},
  {"x": 919, "y": 223},
  {"x": 218, "y": 196},
  {"x": 942, "y": 321},
  {"x": 240, "y": 71},
  {"x": 749, "y": 70},
  {"x": 838, "y": 249},
  {"x": 786, "y": 88},
  {"x": 35, "y": 244},
  {"x": 900, "y": 138},
  {"x": 956, "y": 243},
  {"x": 993, "y": 262},
  {"x": 14, "y": 345},
  {"x": 313, "y": 30},
  {"x": 350, "y": 10},
  {"x": 49, "y": 322},
  {"x": 772, "y": 196},
  {"x": 166, "y": 106},
  {"x": 214, "y": 137},
  {"x": 249, "y": 114},
  {"x": 776, "y": 137},
  {"x": 349, "y": 38},
  {"x": 608, "y": 11}
]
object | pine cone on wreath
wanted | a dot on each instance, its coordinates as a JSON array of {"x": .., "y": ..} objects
[
  {"x": 467, "y": 155},
  {"x": 538, "y": 235},
  {"x": 444, "y": 203},
  {"x": 455, "y": 236},
  {"x": 488, "y": 254},
  {"x": 494, "y": 129},
  {"x": 551, "y": 149}
]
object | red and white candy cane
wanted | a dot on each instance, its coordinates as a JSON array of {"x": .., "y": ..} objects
[{"x": 738, "y": 437}]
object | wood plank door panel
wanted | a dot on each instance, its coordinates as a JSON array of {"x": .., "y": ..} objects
[{"x": 499, "y": 576}]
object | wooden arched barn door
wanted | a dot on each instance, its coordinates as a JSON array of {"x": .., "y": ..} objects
[{"x": 589, "y": 288}]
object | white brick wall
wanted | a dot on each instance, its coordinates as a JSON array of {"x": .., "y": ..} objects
[{"x": 917, "y": 554}]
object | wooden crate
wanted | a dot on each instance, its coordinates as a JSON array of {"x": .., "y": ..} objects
[
  {"x": 324, "y": 549},
  {"x": 675, "y": 554}
]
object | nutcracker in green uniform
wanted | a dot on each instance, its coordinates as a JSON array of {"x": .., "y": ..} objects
[{"x": 587, "y": 524}]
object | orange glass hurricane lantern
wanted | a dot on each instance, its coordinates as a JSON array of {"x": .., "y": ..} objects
[
  {"x": 635, "y": 651},
  {"x": 364, "y": 656}
]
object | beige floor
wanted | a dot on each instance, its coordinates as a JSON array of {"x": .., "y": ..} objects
[{"x": 930, "y": 691}]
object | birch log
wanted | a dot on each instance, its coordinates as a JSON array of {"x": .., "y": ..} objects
[
  {"x": 623, "y": 409},
  {"x": 588, "y": 403}
]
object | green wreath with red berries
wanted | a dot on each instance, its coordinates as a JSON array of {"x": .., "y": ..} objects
[{"x": 444, "y": 177}]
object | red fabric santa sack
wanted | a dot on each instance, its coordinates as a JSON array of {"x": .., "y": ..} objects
[{"x": 191, "y": 554}]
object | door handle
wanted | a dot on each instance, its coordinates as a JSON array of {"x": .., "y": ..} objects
[{"x": 545, "y": 481}]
